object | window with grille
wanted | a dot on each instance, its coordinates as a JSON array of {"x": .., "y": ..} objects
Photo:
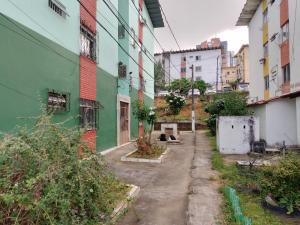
[
  {"x": 58, "y": 8},
  {"x": 183, "y": 70},
  {"x": 285, "y": 32},
  {"x": 267, "y": 83},
  {"x": 198, "y": 57},
  {"x": 58, "y": 101},
  {"x": 88, "y": 43},
  {"x": 89, "y": 111},
  {"x": 121, "y": 31},
  {"x": 286, "y": 74}
]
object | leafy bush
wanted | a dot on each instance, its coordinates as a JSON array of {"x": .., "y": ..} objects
[
  {"x": 181, "y": 85},
  {"x": 176, "y": 103},
  {"x": 282, "y": 181},
  {"x": 44, "y": 181},
  {"x": 227, "y": 104}
]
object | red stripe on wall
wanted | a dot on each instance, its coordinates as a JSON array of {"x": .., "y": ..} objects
[
  {"x": 141, "y": 66},
  {"x": 89, "y": 138},
  {"x": 87, "y": 78},
  {"x": 85, "y": 17},
  {"x": 88, "y": 67}
]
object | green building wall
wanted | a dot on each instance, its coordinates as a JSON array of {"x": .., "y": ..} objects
[{"x": 30, "y": 65}]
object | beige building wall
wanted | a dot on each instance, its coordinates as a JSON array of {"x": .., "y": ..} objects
[
  {"x": 242, "y": 64},
  {"x": 228, "y": 76}
]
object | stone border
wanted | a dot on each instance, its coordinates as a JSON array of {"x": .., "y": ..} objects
[
  {"x": 161, "y": 159},
  {"x": 123, "y": 205}
]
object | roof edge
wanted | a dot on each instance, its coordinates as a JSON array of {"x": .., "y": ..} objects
[{"x": 248, "y": 12}]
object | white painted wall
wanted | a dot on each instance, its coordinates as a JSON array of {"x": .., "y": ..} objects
[
  {"x": 294, "y": 21},
  {"x": 256, "y": 87},
  {"x": 274, "y": 49},
  {"x": 234, "y": 134},
  {"x": 260, "y": 113},
  {"x": 208, "y": 63},
  {"x": 281, "y": 122}
]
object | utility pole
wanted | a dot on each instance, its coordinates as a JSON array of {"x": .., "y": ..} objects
[
  {"x": 217, "y": 78},
  {"x": 193, "y": 101}
]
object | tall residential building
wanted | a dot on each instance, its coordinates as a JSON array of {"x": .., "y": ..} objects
[
  {"x": 76, "y": 58},
  {"x": 274, "y": 54},
  {"x": 206, "y": 58},
  {"x": 242, "y": 64}
]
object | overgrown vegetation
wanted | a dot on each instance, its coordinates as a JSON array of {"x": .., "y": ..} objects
[
  {"x": 243, "y": 182},
  {"x": 282, "y": 182},
  {"x": 145, "y": 148},
  {"x": 44, "y": 180},
  {"x": 176, "y": 103},
  {"x": 226, "y": 104},
  {"x": 182, "y": 86}
]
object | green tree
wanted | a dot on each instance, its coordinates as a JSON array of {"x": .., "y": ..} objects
[
  {"x": 182, "y": 86},
  {"x": 159, "y": 78},
  {"x": 201, "y": 86},
  {"x": 226, "y": 104}
]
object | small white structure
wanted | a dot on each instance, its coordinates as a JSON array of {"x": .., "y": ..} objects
[
  {"x": 235, "y": 133},
  {"x": 170, "y": 129}
]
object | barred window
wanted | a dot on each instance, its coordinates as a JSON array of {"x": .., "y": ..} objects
[
  {"x": 89, "y": 111},
  {"x": 58, "y": 101},
  {"x": 88, "y": 43},
  {"x": 58, "y": 7}
]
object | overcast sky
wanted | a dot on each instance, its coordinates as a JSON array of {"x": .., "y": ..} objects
[{"x": 194, "y": 21}]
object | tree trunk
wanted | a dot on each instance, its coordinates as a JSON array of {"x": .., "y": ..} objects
[{"x": 150, "y": 133}]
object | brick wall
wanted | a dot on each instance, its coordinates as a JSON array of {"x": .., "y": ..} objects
[
  {"x": 87, "y": 78},
  {"x": 89, "y": 138},
  {"x": 85, "y": 17}
]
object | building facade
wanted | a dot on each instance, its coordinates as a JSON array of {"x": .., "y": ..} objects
[
  {"x": 80, "y": 61},
  {"x": 207, "y": 61},
  {"x": 274, "y": 54},
  {"x": 242, "y": 64},
  {"x": 229, "y": 78}
]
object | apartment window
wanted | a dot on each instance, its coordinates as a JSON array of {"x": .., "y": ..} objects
[
  {"x": 89, "y": 114},
  {"x": 265, "y": 17},
  {"x": 88, "y": 43},
  {"x": 198, "y": 68},
  {"x": 267, "y": 83},
  {"x": 198, "y": 78},
  {"x": 121, "y": 31},
  {"x": 266, "y": 50},
  {"x": 58, "y": 7},
  {"x": 285, "y": 32},
  {"x": 183, "y": 70},
  {"x": 58, "y": 101},
  {"x": 198, "y": 57},
  {"x": 286, "y": 73}
]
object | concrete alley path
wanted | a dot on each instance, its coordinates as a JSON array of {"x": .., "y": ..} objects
[{"x": 177, "y": 192}]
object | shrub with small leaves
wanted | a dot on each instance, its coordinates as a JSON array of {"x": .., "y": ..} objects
[
  {"x": 176, "y": 103},
  {"x": 45, "y": 181},
  {"x": 282, "y": 182}
]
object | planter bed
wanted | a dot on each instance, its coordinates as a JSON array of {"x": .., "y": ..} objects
[
  {"x": 123, "y": 205},
  {"x": 130, "y": 157}
]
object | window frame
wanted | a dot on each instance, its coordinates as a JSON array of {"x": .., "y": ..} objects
[
  {"x": 267, "y": 83},
  {"x": 285, "y": 29},
  {"x": 89, "y": 110},
  {"x": 56, "y": 108},
  {"x": 91, "y": 45},
  {"x": 286, "y": 73}
]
